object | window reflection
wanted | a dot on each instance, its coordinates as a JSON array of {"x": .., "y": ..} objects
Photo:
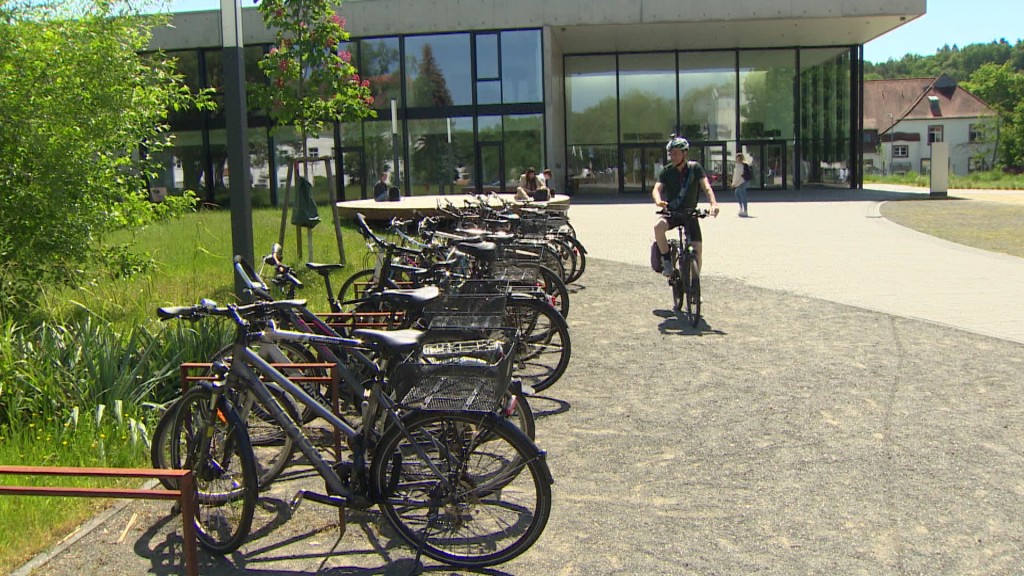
[
  {"x": 436, "y": 164},
  {"x": 522, "y": 135},
  {"x": 590, "y": 99},
  {"x": 766, "y": 94},
  {"x": 707, "y": 95},
  {"x": 825, "y": 115},
  {"x": 379, "y": 63},
  {"x": 438, "y": 70},
  {"x": 647, "y": 96},
  {"x": 521, "y": 67}
]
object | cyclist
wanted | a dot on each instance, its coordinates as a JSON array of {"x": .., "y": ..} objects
[{"x": 678, "y": 188}]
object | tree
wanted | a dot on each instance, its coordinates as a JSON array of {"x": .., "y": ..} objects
[
  {"x": 311, "y": 78},
  {"x": 79, "y": 100},
  {"x": 1003, "y": 89}
]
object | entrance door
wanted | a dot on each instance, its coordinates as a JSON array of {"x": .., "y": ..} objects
[
  {"x": 490, "y": 167},
  {"x": 353, "y": 169},
  {"x": 712, "y": 156},
  {"x": 769, "y": 164},
  {"x": 640, "y": 166}
]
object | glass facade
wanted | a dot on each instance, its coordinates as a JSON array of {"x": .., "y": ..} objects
[
  {"x": 774, "y": 105},
  {"x": 471, "y": 116}
]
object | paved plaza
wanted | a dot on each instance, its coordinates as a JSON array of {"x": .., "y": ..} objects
[{"x": 851, "y": 405}]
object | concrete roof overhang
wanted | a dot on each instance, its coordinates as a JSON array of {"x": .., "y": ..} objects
[{"x": 789, "y": 32}]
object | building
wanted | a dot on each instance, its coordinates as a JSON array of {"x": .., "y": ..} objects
[
  {"x": 902, "y": 117},
  {"x": 590, "y": 89}
]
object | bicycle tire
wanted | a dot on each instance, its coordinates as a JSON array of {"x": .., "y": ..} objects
[
  {"x": 580, "y": 256},
  {"x": 502, "y": 497},
  {"x": 354, "y": 289},
  {"x": 159, "y": 448},
  {"x": 693, "y": 300},
  {"x": 224, "y": 469},
  {"x": 544, "y": 346},
  {"x": 522, "y": 417},
  {"x": 555, "y": 290},
  {"x": 566, "y": 254}
]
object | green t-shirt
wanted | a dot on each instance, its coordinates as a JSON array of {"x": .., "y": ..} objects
[{"x": 681, "y": 190}]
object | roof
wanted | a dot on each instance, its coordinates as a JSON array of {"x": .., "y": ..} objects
[{"x": 918, "y": 99}]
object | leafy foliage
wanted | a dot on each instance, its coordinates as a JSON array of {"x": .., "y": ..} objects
[
  {"x": 994, "y": 72},
  {"x": 311, "y": 77},
  {"x": 78, "y": 100}
]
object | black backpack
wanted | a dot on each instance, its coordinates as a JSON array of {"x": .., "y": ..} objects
[{"x": 748, "y": 174}]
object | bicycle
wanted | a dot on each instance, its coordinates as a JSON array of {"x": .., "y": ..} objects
[
  {"x": 685, "y": 278},
  {"x": 444, "y": 470}
]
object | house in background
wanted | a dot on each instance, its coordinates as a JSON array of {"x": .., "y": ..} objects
[{"x": 903, "y": 117}]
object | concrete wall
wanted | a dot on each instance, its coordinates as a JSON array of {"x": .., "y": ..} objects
[{"x": 596, "y": 25}]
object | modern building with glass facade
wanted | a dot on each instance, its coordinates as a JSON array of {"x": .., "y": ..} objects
[{"x": 590, "y": 89}]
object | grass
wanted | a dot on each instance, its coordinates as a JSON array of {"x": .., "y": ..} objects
[
  {"x": 41, "y": 521},
  {"x": 991, "y": 180},
  {"x": 99, "y": 343},
  {"x": 994, "y": 226}
]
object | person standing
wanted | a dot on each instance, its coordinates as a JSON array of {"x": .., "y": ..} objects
[{"x": 741, "y": 175}]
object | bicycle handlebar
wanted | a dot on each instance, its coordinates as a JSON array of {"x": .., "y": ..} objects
[
  {"x": 237, "y": 312},
  {"x": 697, "y": 212}
]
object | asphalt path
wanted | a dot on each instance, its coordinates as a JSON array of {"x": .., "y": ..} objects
[{"x": 786, "y": 434}]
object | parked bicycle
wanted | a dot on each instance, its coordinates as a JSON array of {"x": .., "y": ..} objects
[
  {"x": 455, "y": 480},
  {"x": 685, "y": 278}
]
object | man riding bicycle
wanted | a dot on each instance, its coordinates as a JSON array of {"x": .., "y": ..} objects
[{"x": 678, "y": 188}]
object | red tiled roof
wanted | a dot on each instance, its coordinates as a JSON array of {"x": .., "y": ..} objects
[{"x": 907, "y": 99}]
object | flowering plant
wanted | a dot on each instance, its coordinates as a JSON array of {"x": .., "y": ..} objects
[{"x": 311, "y": 77}]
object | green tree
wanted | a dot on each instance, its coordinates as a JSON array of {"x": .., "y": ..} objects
[
  {"x": 78, "y": 100},
  {"x": 311, "y": 77},
  {"x": 1002, "y": 88}
]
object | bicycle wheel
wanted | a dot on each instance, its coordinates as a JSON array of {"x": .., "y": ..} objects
[
  {"x": 160, "y": 447},
  {"x": 215, "y": 446},
  {"x": 544, "y": 347},
  {"x": 489, "y": 503},
  {"x": 566, "y": 254},
  {"x": 555, "y": 290},
  {"x": 580, "y": 255},
  {"x": 354, "y": 289},
  {"x": 522, "y": 417},
  {"x": 693, "y": 293},
  {"x": 678, "y": 291}
]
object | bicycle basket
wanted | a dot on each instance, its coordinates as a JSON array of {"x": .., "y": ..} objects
[
  {"x": 449, "y": 387},
  {"x": 465, "y": 311}
]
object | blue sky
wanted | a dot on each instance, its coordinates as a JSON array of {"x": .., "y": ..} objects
[{"x": 950, "y": 22}]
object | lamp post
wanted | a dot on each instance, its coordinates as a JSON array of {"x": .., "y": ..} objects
[
  {"x": 237, "y": 139},
  {"x": 892, "y": 135},
  {"x": 394, "y": 139}
]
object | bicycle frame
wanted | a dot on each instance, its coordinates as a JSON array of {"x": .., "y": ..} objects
[{"x": 247, "y": 367}]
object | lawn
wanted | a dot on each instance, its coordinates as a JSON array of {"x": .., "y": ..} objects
[{"x": 988, "y": 225}]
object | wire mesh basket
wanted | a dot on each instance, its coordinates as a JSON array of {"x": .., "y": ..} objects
[
  {"x": 466, "y": 311},
  {"x": 474, "y": 387}
]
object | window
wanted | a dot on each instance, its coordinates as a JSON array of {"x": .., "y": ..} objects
[
  {"x": 314, "y": 152},
  {"x": 976, "y": 133},
  {"x": 934, "y": 133},
  {"x": 900, "y": 151}
]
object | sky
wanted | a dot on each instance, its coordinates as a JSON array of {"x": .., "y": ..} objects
[
  {"x": 950, "y": 22},
  {"x": 959, "y": 22}
]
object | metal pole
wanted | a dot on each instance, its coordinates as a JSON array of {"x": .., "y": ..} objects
[
  {"x": 235, "y": 109},
  {"x": 394, "y": 141}
]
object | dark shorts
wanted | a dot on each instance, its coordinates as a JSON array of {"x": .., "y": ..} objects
[{"x": 691, "y": 225}]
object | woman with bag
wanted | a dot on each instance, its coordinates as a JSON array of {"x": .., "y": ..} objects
[{"x": 741, "y": 175}]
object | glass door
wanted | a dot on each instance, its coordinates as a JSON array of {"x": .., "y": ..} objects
[
  {"x": 490, "y": 167},
  {"x": 775, "y": 165},
  {"x": 713, "y": 157},
  {"x": 641, "y": 164}
]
